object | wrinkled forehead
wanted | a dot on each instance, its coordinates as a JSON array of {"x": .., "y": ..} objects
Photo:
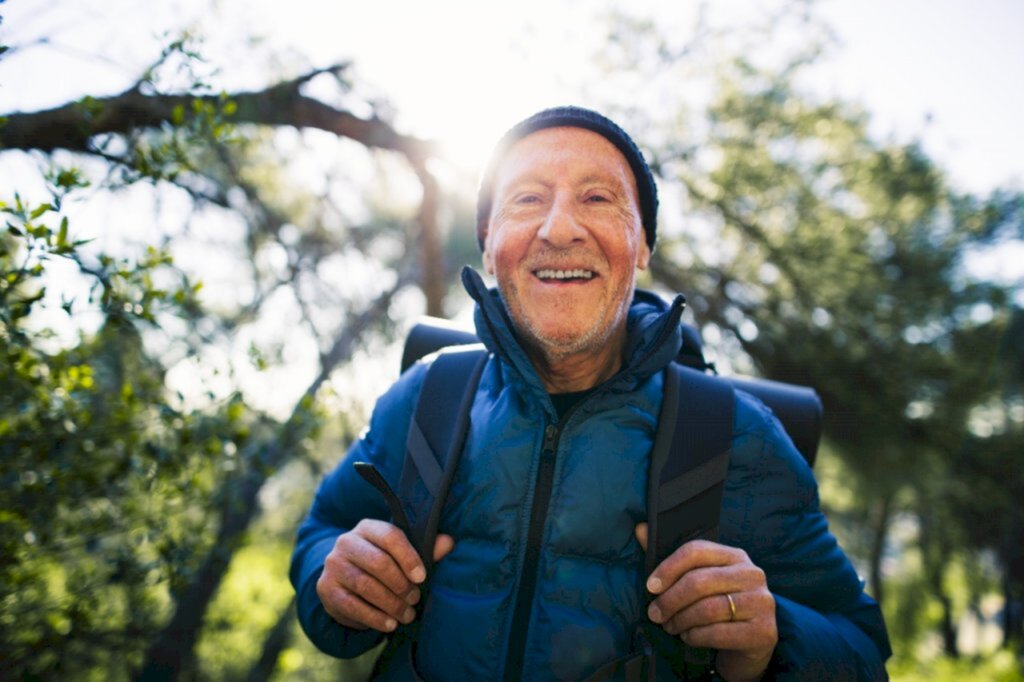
[{"x": 563, "y": 153}]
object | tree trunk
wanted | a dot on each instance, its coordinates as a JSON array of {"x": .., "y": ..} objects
[
  {"x": 172, "y": 651},
  {"x": 432, "y": 268},
  {"x": 1013, "y": 595},
  {"x": 949, "y": 631},
  {"x": 880, "y": 530},
  {"x": 936, "y": 557}
]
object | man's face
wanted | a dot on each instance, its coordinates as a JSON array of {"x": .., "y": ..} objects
[{"x": 565, "y": 239}]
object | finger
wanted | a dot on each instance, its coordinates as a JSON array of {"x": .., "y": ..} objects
[
  {"x": 641, "y": 534},
  {"x": 688, "y": 591},
  {"x": 694, "y": 554},
  {"x": 347, "y": 608},
  {"x": 442, "y": 545},
  {"x": 393, "y": 541},
  {"x": 749, "y": 606},
  {"x": 705, "y": 611},
  {"x": 376, "y": 594},
  {"x": 739, "y": 636},
  {"x": 707, "y": 583},
  {"x": 374, "y": 561}
]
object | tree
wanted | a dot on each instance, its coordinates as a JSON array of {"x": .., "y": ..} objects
[
  {"x": 125, "y": 503},
  {"x": 821, "y": 256}
]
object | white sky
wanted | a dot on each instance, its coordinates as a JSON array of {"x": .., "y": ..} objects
[{"x": 461, "y": 71}]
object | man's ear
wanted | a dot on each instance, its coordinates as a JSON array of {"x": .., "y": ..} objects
[
  {"x": 643, "y": 255},
  {"x": 488, "y": 259}
]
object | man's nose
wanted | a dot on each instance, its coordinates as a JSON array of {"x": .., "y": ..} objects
[{"x": 561, "y": 227}]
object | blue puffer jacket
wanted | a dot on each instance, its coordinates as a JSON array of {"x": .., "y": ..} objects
[{"x": 546, "y": 577}]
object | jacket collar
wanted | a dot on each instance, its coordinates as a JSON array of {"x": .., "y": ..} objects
[{"x": 653, "y": 336}]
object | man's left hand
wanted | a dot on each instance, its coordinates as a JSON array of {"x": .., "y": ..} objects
[{"x": 712, "y": 595}]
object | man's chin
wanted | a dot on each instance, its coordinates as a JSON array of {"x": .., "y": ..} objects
[{"x": 559, "y": 341}]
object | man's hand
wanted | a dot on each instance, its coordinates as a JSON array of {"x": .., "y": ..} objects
[
  {"x": 711, "y": 595},
  {"x": 370, "y": 578}
]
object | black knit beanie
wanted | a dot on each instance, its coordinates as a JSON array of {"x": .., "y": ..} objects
[{"x": 573, "y": 117}]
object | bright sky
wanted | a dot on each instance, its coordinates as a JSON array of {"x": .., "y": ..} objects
[{"x": 460, "y": 71}]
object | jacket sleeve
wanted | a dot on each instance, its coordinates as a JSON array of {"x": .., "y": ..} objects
[
  {"x": 342, "y": 500},
  {"x": 828, "y": 627}
]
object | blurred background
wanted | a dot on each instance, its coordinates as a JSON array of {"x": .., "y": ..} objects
[{"x": 222, "y": 217}]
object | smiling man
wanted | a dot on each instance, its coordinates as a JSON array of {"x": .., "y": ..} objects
[
  {"x": 564, "y": 238},
  {"x": 538, "y": 571}
]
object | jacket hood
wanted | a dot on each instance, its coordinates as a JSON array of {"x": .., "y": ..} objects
[{"x": 653, "y": 335}]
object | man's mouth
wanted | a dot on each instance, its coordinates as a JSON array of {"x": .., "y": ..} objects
[{"x": 574, "y": 275}]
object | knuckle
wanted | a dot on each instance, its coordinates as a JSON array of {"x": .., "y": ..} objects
[
  {"x": 766, "y": 603},
  {"x": 349, "y": 607},
  {"x": 707, "y": 610},
  {"x": 338, "y": 604},
  {"x": 391, "y": 536},
  {"x": 363, "y": 584},
  {"x": 762, "y": 578},
  {"x": 335, "y": 560},
  {"x": 377, "y": 563},
  {"x": 389, "y": 574},
  {"x": 698, "y": 581}
]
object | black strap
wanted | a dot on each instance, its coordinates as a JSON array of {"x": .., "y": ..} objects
[
  {"x": 434, "y": 445},
  {"x": 688, "y": 465},
  {"x": 689, "y": 461}
]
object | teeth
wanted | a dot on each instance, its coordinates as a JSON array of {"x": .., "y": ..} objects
[{"x": 565, "y": 274}]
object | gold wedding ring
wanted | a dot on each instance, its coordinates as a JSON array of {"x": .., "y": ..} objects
[{"x": 732, "y": 607}]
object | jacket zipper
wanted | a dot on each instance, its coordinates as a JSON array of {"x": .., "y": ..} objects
[{"x": 538, "y": 516}]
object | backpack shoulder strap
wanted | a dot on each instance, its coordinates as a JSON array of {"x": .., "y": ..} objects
[
  {"x": 437, "y": 433},
  {"x": 689, "y": 461}
]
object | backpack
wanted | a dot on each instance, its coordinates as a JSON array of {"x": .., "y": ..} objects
[{"x": 689, "y": 459}]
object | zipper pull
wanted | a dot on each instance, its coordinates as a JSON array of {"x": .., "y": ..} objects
[{"x": 550, "y": 437}]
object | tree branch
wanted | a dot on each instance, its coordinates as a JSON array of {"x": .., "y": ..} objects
[{"x": 73, "y": 125}]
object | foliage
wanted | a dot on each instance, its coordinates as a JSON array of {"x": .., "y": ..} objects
[
  {"x": 821, "y": 256},
  {"x": 106, "y": 484},
  {"x": 999, "y": 667},
  {"x": 126, "y": 492}
]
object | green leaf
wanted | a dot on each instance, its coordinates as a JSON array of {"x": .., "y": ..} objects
[
  {"x": 15, "y": 231},
  {"x": 40, "y": 210},
  {"x": 62, "y": 235}
]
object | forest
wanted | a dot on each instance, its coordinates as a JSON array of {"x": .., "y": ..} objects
[{"x": 203, "y": 289}]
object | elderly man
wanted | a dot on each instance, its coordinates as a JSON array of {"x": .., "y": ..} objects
[{"x": 539, "y": 566}]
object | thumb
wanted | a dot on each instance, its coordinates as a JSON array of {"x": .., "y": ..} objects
[
  {"x": 442, "y": 545},
  {"x": 641, "y": 534}
]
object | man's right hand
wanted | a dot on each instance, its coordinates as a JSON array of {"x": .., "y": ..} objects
[{"x": 370, "y": 578}]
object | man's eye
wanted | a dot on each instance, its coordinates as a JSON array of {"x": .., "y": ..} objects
[
  {"x": 527, "y": 199},
  {"x": 597, "y": 199}
]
